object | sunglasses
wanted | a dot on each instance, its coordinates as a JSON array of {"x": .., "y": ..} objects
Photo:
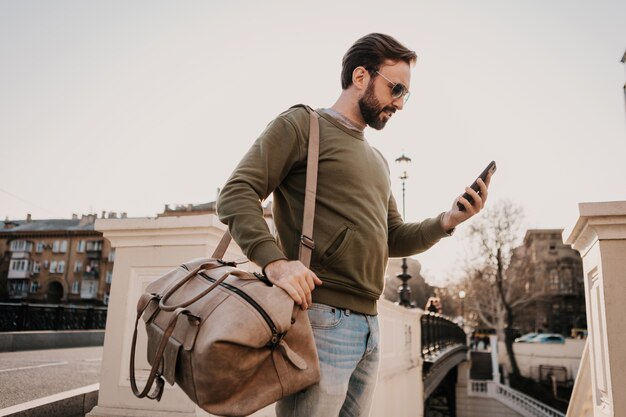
[{"x": 397, "y": 89}]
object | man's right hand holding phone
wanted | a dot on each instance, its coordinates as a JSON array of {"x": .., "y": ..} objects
[{"x": 471, "y": 202}]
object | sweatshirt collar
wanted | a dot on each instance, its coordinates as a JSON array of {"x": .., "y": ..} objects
[{"x": 328, "y": 114}]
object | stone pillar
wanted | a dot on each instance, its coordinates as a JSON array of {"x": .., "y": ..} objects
[
  {"x": 146, "y": 249},
  {"x": 600, "y": 237}
]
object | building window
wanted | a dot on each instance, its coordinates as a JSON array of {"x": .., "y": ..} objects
[
  {"x": 80, "y": 246},
  {"x": 55, "y": 246},
  {"x": 40, "y": 247},
  {"x": 78, "y": 266},
  {"x": 554, "y": 280},
  {"x": 36, "y": 267},
  {"x": 94, "y": 245},
  {"x": 106, "y": 299},
  {"x": 63, "y": 247},
  {"x": 53, "y": 267},
  {"x": 34, "y": 286},
  {"x": 19, "y": 265},
  {"x": 112, "y": 255},
  {"x": 76, "y": 287},
  {"x": 567, "y": 281},
  {"x": 61, "y": 267},
  {"x": 21, "y": 246},
  {"x": 109, "y": 277}
]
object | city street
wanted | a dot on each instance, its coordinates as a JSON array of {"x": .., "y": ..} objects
[{"x": 28, "y": 375}]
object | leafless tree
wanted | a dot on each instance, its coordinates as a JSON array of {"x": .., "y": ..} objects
[{"x": 491, "y": 293}]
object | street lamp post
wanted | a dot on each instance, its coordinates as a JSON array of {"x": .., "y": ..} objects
[
  {"x": 462, "y": 297},
  {"x": 404, "y": 292}
]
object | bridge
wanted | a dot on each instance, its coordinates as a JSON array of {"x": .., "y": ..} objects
[{"x": 426, "y": 368}]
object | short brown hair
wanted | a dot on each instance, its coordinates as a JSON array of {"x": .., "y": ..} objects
[{"x": 370, "y": 52}]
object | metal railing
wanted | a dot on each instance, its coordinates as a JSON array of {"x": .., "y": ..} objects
[
  {"x": 438, "y": 332},
  {"x": 19, "y": 317},
  {"x": 517, "y": 401}
]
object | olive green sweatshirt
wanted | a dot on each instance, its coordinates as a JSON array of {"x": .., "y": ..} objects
[{"x": 357, "y": 225}]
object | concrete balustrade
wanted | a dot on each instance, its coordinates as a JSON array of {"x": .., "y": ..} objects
[
  {"x": 600, "y": 237},
  {"x": 146, "y": 249}
]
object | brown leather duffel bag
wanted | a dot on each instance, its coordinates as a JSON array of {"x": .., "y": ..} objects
[
  {"x": 232, "y": 342},
  {"x": 234, "y": 350}
]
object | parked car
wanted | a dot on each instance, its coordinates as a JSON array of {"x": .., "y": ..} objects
[
  {"x": 548, "y": 338},
  {"x": 528, "y": 337},
  {"x": 541, "y": 338}
]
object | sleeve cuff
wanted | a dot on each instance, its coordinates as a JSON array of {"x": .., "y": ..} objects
[
  {"x": 265, "y": 253},
  {"x": 438, "y": 230},
  {"x": 448, "y": 232}
]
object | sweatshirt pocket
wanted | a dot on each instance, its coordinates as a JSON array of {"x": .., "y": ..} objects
[{"x": 338, "y": 244}]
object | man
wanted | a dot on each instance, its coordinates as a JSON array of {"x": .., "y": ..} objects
[{"x": 357, "y": 225}]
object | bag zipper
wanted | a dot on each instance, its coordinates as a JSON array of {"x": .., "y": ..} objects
[{"x": 276, "y": 336}]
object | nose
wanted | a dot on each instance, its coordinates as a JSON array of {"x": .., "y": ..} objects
[{"x": 398, "y": 103}]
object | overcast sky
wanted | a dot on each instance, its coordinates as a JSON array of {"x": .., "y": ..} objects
[{"x": 130, "y": 105}]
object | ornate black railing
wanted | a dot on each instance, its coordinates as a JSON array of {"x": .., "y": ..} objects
[
  {"x": 438, "y": 332},
  {"x": 18, "y": 317}
]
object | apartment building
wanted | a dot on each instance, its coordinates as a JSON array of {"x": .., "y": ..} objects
[
  {"x": 549, "y": 274},
  {"x": 55, "y": 261}
]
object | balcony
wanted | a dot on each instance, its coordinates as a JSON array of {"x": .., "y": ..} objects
[
  {"x": 18, "y": 289},
  {"x": 94, "y": 250},
  {"x": 18, "y": 274},
  {"x": 91, "y": 274},
  {"x": 94, "y": 253},
  {"x": 20, "y": 249}
]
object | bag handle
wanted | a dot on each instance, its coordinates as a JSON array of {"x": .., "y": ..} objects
[
  {"x": 178, "y": 309},
  {"x": 306, "y": 239},
  {"x": 158, "y": 357},
  {"x": 180, "y": 283},
  {"x": 203, "y": 267}
]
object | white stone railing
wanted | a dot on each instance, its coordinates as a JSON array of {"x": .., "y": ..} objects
[
  {"x": 515, "y": 400},
  {"x": 581, "y": 401},
  {"x": 148, "y": 248}
]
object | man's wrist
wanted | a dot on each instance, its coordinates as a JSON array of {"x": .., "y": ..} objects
[
  {"x": 446, "y": 223},
  {"x": 272, "y": 264}
]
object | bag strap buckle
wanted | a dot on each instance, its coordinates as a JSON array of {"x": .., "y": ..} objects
[
  {"x": 263, "y": 278},
  {"x": 227, "y": 263},
  {"x": 307, "y": 241}
]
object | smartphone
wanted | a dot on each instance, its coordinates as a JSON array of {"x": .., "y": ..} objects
[{"x": 490, "y": 168}]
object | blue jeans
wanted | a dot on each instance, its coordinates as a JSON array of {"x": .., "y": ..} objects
[{"x": 347, "y": 346}]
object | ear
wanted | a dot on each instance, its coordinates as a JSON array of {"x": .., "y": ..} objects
[{"x": 360, "y": 78}]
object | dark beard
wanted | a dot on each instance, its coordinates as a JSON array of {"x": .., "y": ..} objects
[{"x": 371, "y": 110}]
